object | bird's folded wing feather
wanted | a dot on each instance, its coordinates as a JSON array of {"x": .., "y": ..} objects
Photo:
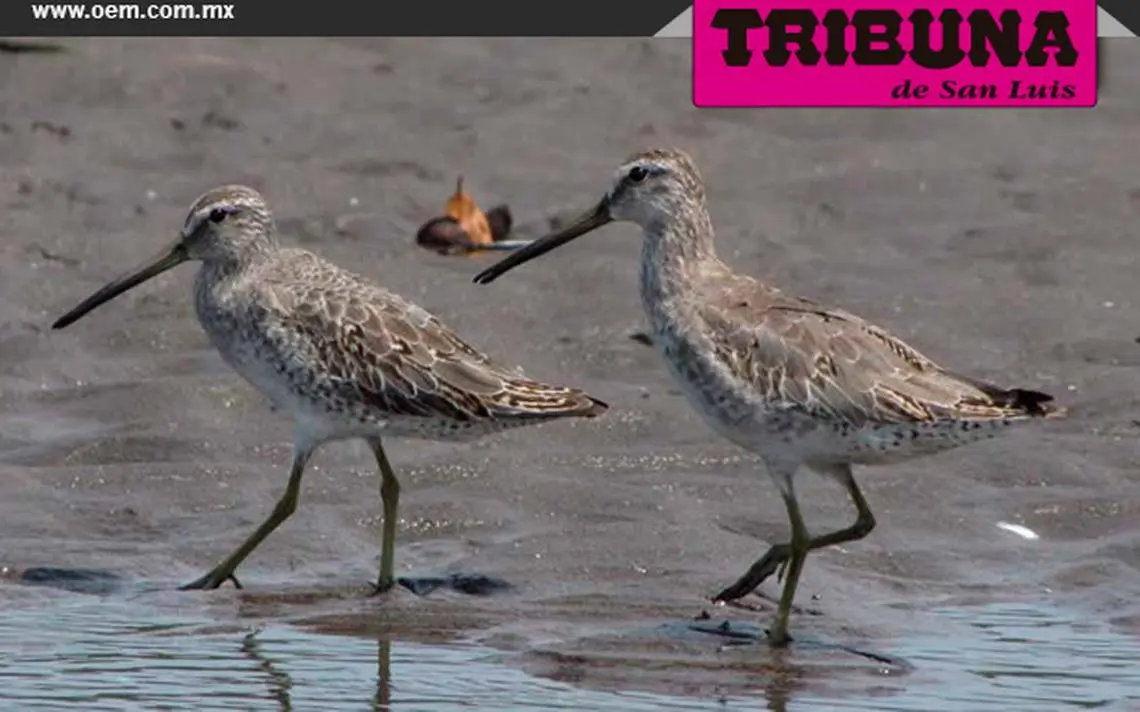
[
  {"x": 827, "y": 362},
  {"x": 377, "y": 350}
]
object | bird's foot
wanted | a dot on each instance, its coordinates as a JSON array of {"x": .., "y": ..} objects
[
  {"x": 382, "y": 586},
  {"x": 768, "y": 603},
  {"x": 211, "y": 580},
  {"x": 772, "y": 562},
  {"x": 778, "y": 638}
]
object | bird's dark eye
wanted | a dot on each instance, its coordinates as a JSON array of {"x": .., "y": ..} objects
[
  {"x": 638, "y": 174},
  {"x": 217, "y": 215}
]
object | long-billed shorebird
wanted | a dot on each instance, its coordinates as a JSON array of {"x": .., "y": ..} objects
[
  {"x": 347, "y": 358},
  {"x": 795, "y": 382}
]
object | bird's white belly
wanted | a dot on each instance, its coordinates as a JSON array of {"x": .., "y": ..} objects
[
  {"x": 322, "y": 419},
  {"x": 735, "y": 412}
]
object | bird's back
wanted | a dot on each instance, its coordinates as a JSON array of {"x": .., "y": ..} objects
[
  {"x": 334, "y": 345},
  {"x": 827, "y": 362}
]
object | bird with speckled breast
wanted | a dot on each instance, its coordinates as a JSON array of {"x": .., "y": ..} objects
[
  {"x": 347, "y": 358},
  {"x": 793, "y": 381}
]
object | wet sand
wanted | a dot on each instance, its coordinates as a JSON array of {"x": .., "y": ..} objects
[{"x": 1000, "y": 242}]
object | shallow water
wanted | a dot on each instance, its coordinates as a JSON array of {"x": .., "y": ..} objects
[{"x": 112, "y": 653}]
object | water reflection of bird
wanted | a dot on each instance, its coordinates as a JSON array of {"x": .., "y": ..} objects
[{"x": 382, "y": 700}]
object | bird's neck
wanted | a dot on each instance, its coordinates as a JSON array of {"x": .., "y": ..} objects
[
  {"x": 221, "y": 272},
  {"x": 677, "y": 247},
  {"x": 239, "y": 259}
]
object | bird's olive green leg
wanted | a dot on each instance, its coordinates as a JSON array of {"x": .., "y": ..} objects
[
  {"x": 798, "y": 549},
  {"x": 390, "y": 494},
  {"x": 285, "y": 507},
  {"x": 776, "y": 560}
]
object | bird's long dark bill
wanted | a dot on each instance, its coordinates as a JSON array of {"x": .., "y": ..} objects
[
  {"x": 592, "y": 220},
  {"x": 174, "y": 254}
]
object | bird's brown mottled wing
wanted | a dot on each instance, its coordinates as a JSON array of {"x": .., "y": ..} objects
[
  {"x": 373, "y": 349},
  {"x": 831, "y": 363}
]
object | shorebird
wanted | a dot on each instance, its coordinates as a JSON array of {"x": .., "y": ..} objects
[
  {"x": 795, "y": 382},
  {"x": 347, "y": 358}
]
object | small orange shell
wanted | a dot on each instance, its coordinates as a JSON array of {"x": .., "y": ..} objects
[{"x": 463, "y": 209}]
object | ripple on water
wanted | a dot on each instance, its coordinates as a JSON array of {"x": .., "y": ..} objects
[
  {"x": 97, "y": 654},
  {"x": 111, "y": 653},
  {"x": 1010, "y": 658}
]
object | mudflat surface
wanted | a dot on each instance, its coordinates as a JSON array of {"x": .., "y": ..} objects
[{"x": 1002, "y": 243}]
